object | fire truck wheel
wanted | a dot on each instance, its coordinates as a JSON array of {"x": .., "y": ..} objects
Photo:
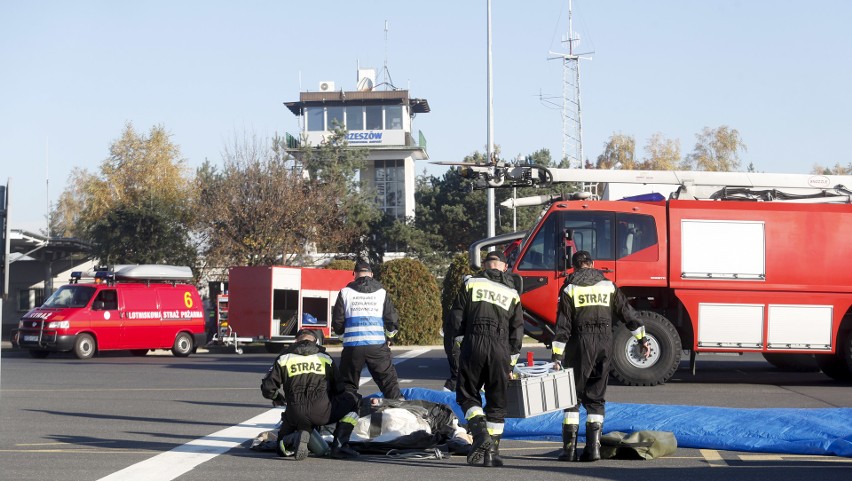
[
  {"x": 36, "y": 354},
  {"x": 792, "y": 362},
  {"x": 629, "y": 367},
  {"x": 183, "y": 345},
  {"x": 84, "y": 346},
  {"x": 838, "y": 366}
]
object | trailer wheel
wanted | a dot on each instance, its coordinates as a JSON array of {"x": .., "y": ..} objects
[
  {"x": 838, "y": 366},
  {"x": 630, "y": 368},
  {"x": 792, "y": 362},
  {"x": 183, "y": 345},
  {"x": 84, "y": 346},
  {"x": 38, "y": 354}
]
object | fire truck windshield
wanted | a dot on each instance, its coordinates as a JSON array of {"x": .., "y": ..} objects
[{"x": 70, "y": 296}]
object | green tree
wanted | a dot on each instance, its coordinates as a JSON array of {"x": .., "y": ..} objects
[
  {"x": 147, "y": 233},
  {"x": 453, "y": 280},
  {"x": 141, "y": 174},
  {"x": 335, "y": 165},
  {"x": 716, "y": 150}
]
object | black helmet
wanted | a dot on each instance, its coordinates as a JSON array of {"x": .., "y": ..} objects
[
  {"x": 581, "y": 257},
  {"x": 309, "y": 332}
]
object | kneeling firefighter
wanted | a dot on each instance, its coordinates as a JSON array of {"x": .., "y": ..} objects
[
  {"x": 314, "y": 396},
  {"x": 588, "y": 304}
]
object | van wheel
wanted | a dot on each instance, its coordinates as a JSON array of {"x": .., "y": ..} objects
[
  {"x": 139, "y": 352},
  {"x": 84, "y": 346},
  {"x": 630, "y": 368},
  {"x": 36, "y": 354},
  {"x": 183, "y": 345}
]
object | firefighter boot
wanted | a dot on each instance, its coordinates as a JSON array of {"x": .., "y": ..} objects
[
  {"x": 492, "y": 456},
  {"x": 569, "y": 442},
  {"x": 340, "y": 445},
  {"x": 295, "y": 444},
  {"x": 592, "y": 451},
  {"x": 481, "y": 440}
]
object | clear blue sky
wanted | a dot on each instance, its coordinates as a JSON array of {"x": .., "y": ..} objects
[{"x": 73, "y": 73}]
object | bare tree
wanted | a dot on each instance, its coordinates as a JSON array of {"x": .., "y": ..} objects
[{"x": 261, "y": 210}]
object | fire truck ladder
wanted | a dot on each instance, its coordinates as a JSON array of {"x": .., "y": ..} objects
[{"x": 805, "y": 188}]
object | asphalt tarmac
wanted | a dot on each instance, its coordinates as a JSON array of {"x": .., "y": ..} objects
[{"x": 159, "y": 417}]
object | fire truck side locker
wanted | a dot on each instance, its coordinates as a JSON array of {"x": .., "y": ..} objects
[{"x": 761, "y": 276}]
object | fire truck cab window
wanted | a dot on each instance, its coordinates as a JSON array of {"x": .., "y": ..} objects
[
  {"x": 541, "y": 254},
  {"x": 592, "y": 232},
  {"x": 635, "y": 233}
]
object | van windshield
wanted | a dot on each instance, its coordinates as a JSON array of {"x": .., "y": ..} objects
[{"x": 70, "y": 296}]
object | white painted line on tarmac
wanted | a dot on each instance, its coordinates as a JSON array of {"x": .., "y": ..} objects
[
  {"x": 713, "y": 458},
  {"x": 182, "y": 459}
]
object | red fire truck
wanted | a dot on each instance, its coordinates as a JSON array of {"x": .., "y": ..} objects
[
  {"x": 132, "y": 307},
  {"x": 731, "y": 262},
  {"x": 270, "y": 304}
]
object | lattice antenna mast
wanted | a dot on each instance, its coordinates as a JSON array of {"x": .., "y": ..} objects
[{"x": 572, "y": 125}]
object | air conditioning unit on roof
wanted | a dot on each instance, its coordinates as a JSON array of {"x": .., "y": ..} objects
[{"x": 326, "y": 86}]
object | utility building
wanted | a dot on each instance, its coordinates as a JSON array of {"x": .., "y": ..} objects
[{"x": 380, "y": 120}]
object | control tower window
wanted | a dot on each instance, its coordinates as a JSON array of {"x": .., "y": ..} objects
[
  {"x": 374, "y": 117},
  {"x": 316, "y": 118},
  {"x": 355, "y": 118},
  {"x": 334, "y": 117},
  {"x": 390, "y": 187},
  {"x": 393, "y": 117}
]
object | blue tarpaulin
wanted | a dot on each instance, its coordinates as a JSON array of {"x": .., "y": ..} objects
[{"x": 821, "y": 431}]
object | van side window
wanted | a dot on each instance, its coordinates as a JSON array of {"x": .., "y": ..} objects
[{"x": 106, "y": 300}]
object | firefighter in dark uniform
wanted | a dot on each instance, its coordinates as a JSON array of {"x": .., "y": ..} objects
[
  {"x": 366, "y": 318},
  {"x": 588, "y": 304},
  {"x": 313, "y": 395},
  {"x": 489, "y": 326}
]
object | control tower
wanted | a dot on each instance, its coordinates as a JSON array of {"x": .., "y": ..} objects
[{"x": 382, "y": 121}]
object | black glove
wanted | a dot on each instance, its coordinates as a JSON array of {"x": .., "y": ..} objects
[{"x": 279, "y": 400}]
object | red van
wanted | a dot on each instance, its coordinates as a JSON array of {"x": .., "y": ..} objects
[{"x": 134, "y": 307}]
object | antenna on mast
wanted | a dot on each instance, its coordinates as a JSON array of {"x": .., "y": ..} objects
[
  {"x": 388, "y": 82},
  {"x": 572, "y": 126},
  {"x": 47, "y": 184}
]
